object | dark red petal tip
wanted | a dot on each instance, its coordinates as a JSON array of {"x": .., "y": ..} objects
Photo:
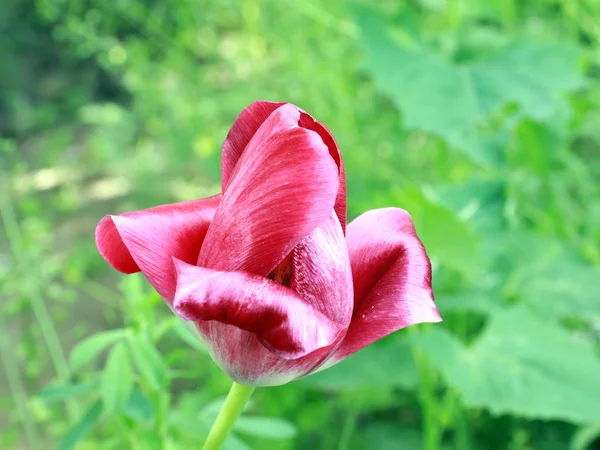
[
  {"x": 112, "y": 248},
  {"x": 284, "y": 323}
]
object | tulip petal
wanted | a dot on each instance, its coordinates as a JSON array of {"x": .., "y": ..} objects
[
  {"x": 283, "y": 186},
  {"x": 147, "y": 240},
  {"x": 248, "y": 123},
  {"x": 392, "y": 279},
  {"x": 283, "y": 322},
  {"x": 321, "y": 272},
  {"x": 245, "y": 359},
  {"x": 307, "y": 121},
  {"x": 242, "y": 131}
]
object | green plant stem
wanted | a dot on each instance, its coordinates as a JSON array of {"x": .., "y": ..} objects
[
  {"x": 231, "y": 410},
  {"x": 429, "y": 404},
  {"x": 38, "y": 306},
  {"x": 348, "y": 429},
  {"x": 17, "y": 390},
  {"x": 463, "y": 439}
]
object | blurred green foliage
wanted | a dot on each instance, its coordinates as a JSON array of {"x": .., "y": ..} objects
[{"x": 480, "y": 118}]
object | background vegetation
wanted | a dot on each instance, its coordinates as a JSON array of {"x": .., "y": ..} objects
[{"x": 480, "y": 118}]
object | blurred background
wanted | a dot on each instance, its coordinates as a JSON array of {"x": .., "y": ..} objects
[{"x": 480, "y": 118}]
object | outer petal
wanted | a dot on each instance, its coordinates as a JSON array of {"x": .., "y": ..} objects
[
  {"x": 307, "y": 121},
  {"x": 283, "y": 322},
  {"x": 242, "y": 131},
  {"x": 392, "y": 279},
  {"x": 283, "y": 187},
  {"x": 246, "y": 360},
  {"x": 147, "y": 240},
  {"x": 248, "y": 123}
]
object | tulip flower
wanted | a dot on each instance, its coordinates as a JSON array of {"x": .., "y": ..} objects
[{"x": 267, "y": 271}]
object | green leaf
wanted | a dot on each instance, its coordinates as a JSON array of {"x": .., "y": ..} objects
[
  {"x": 450, "y": 99},
  {"x": 89, "y": 349},
  {"x": 383, "y": 365},
  {"x": 522, "y": 366},
  {"x": 117, "y": 379},
  {"x": 114, "y": 443},
  {"x": 82, "y": 428},
  {"x": 584, "y": 437},
  {"x": 454, "y": 244},
  {"x": 484, "y": 148},
  {"x": 387, "y": 436},
  {"x": 481, "y": 202},
  {"x": 148, "y": 361},
  {"x": 265, "y": 427},
  {"x": 62, "y": 392},
  {"x": 481, "y": 302},
  {"x": 390, "y": 436},
  {"x": 139, "y": 407},
  {"x": 563, "y": 289},
  {"x": 551, "y": 279},
  {"x": 235, "y": 443}
]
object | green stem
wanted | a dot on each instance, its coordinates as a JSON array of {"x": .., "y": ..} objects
[
  {"x": 463, "y": 439},
  {"x": 17, "y": 390},
  {"x": 429, "y": 404},
  {"x": 40, "y": 311},
  {"x": 231, "y": 410},
  {"x": 348, "y": 429}
]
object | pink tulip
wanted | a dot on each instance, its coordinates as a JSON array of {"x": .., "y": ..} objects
[{"x": 267, "y": 272}]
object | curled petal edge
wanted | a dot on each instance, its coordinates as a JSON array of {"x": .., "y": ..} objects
[{"x": 284, "y": 323}]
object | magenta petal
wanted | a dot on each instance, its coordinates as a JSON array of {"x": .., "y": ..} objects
[
  {"x": 392, "y": 278},
  {"x": 321, "y": 272},
  {"x": 284, "y": 323},
  {"x": 248, "y": 123},
  {"x": 147, "y": 240},
  {"x": 307, "y": 121},
  {"x": 283, "y": 186},
  {"x": 246, "y": 360},
  {"x": 242, "y": 130}
]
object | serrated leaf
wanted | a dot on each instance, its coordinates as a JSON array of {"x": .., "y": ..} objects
[
  {"x": 89, "y": 349},
  {"x": 148, "y": 361},
  {"x": 62, "y": 392},
  {"x": 82, "y": 428},
  {"x": 265, "y": 427},
  {"x": 139, "y": 407},
  {"x": 117, "y": 379},
  {"x": 383, "y": 365},
  {"x": 451, "y": 99},
  {"x": 521, "y": 366}
]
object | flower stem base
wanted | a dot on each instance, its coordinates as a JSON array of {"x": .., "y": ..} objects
[{"x": 231, "y": 410}]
